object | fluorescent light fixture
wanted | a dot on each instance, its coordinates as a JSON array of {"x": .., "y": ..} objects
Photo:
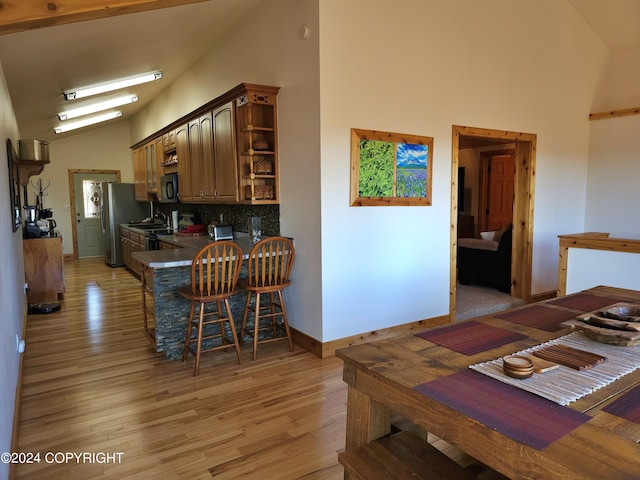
[
  {"x": 97, "y": 107},
  {"x": 110, "y": 86},
  {"x": 87, "y": 121}
]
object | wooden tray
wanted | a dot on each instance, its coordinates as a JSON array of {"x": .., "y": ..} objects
[
  {"x": 570, "y": 357},
  {"x": 605, "y": 325}
]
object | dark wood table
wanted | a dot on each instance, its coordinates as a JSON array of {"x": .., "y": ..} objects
[{"x": 381, "y": 376}]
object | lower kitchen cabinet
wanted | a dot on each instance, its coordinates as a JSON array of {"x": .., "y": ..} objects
[{"x": 43, "y": 269}]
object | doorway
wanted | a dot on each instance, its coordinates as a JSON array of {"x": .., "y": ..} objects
[
  {"x": 523, "y": 193},
  {"x": 85, "y": 224}
]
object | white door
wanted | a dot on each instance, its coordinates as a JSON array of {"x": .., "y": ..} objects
[{"x": 87, "y": 204}]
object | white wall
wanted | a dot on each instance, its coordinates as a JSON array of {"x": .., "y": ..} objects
[
  {"x": 12, "y": 297},
  {"x": 419, "y": 67},
  {"x": 613, "y": 193},
  {"x": 101, "y": 148},
  {"x": 267, "y": 48},
  {"x": 590, "y": 268}
]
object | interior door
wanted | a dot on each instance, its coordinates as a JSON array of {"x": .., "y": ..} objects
[
  {"x": 87, "y": 205},
  {"x": 500, "y": 193}
]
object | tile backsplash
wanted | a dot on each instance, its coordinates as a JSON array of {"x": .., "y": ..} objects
[{"x": 236, "y": 215}]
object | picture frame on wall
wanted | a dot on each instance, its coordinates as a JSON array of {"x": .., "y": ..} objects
[
  {"x": 390, "y": 169},
  {"x": 14, "y": 185}
]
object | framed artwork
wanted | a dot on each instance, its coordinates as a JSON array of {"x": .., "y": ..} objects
[
  {"x": 14, "y": 185},
  {"x": 390, "y": 168}
]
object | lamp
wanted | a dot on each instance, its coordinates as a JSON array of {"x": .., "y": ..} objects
[
  {"x": 110, "y": 86},
  {"x": 87, "y": 121},
  {"x": 97, "y": 107}
]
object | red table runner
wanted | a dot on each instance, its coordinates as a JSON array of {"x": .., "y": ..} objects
[
  {"x": 470, "y": 337},
  {"x": 520, "y": 415}
]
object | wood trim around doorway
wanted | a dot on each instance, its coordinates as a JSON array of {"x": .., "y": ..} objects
[
  {"x": 522, "y": 209},
  {"x": 72, "y": 201}
]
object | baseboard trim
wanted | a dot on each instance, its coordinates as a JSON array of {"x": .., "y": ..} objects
[
  {"x": 328, "y": 349},
  {"x": 539, "y": 297},
  {"x": 15, "y": 431}
]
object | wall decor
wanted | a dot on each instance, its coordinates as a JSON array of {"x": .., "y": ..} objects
[
  {"x": 14, "y": 185},
  {"x": 390, "y": 168}
]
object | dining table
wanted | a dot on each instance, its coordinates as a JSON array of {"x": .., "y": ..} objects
[{"x": 570, "y": 422}]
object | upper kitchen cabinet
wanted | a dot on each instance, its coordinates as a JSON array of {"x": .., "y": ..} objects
[
  {"x": 226, "y": 151},
  {"x": 257, "y": 138},
  {"x": 184, "y": 165},
  {"x": 212, "y": 165},
  {"x": 153, "y": 152},
  {"x": 140, "y": 174}
]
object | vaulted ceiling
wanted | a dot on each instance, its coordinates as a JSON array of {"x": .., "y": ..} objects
[{"x": 47, "y": 48}]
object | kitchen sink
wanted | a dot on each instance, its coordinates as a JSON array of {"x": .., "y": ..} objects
[{"x": 148, "y": 226}]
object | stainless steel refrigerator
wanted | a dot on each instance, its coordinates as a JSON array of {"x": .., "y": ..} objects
[{"x": 118, "y": 205}]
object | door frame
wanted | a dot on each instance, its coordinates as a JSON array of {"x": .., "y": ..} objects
[
  {"x": 521, "y": 257},
  {"x": 72, "y": 200}
]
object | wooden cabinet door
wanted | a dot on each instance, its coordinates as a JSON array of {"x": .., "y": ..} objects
[
  {"x": 140, "y": 174},
  {"x": 185, "y": 192},
  {"x": 226, "y": 165},
  {"x": 207, "y": 160}
]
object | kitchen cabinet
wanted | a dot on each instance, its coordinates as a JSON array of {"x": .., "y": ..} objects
[
  {"x": 169, "y": 141},
  {"x": 224, "y": 154},
  {"x": 153, "y": 151},
  {"x": 201, "y": 158},
  {"x": 212, "y": 158},
  {"x": 140, "y": 174},
  {"x": 43, "y": 269},
  {"x": 226, "y": 150},
  {"x": 256, "y": 119},
  {"x": 185, "y": 192},
  {"x": 131, "y": 242}
]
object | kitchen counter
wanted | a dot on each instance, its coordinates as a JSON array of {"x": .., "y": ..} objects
[
  {"x": 189, "y": 245},
  {"x": 166, "y": 312}
]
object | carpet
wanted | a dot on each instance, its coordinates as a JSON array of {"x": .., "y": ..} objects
[
  {"x": 118, "y": 284},
  {"x": 475, "y": 301}
]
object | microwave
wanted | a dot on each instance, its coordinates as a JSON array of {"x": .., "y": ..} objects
[{"x": 168, "y": 188}]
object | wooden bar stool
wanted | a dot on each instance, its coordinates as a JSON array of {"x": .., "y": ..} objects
[
  {"x": 270, "y": 262},
  {"x": 214, "y": 275}
]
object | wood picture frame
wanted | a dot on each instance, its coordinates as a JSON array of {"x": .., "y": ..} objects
[
  {"x": 14, "y": 185},
  {"x": 390, "y": 169}
]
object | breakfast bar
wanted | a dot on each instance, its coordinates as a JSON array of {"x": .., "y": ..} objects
[
  {"x": 165, "y": 311},
  {"x": 426, "y": 379}
]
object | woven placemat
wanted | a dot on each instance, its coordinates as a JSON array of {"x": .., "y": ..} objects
[
  {"x": 470, "y": 337},
  {"x": 584, "y": 301},
  {"x": 538, "y": 316},
  {"x": 627, "y": 406},
  {"x": 528, "y": 419},
  {"x": 565, "y": 385}
]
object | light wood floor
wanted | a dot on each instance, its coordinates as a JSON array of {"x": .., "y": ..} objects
[{"x": 92, "y": 383}]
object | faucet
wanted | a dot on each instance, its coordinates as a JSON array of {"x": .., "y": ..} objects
[{"x": 163, "y": 215}]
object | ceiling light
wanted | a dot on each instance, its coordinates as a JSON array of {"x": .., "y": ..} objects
[
  {"x": 97, "y": 107},
  {"x": 87, "y": 121},
  {"x": 110, "y": 86}
]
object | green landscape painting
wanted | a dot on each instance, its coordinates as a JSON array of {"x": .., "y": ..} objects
[{"x": 390, "y": 169}]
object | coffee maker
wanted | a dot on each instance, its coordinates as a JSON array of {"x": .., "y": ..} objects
[
  {"x": 46, "y": 224},
  {"x": 31, "y": 229}
]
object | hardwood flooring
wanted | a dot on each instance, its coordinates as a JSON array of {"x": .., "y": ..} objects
[{"x": 93, "y": 383}]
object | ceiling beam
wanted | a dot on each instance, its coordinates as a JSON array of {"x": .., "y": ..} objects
[{"x": 18, "y": 16}]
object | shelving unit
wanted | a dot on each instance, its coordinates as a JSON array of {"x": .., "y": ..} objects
[{"x": 257, "y": 140}]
